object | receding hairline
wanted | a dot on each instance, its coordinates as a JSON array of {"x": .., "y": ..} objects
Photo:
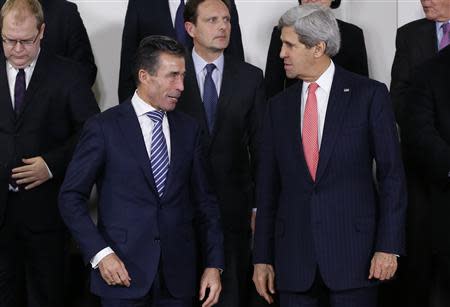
[{"x": 21, "y": 10}]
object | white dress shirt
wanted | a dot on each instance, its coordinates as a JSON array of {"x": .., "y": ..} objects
[
  {"x": 141, "y": 108},
  {"x": 200, "y": 71},
  {"x": 322, "y": 94}
]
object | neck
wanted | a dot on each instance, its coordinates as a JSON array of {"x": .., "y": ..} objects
[
  {"x": 320, "y": 67},
  {"x": 208, "y": 55}
]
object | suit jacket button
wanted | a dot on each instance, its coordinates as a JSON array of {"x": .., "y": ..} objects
[{"x": 156, "y": 240}]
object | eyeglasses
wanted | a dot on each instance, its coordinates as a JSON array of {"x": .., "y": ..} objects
[{"x": 24, "y": 42}]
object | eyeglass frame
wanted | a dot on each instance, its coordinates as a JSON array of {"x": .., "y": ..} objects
[{"x": 24, "y": 42}]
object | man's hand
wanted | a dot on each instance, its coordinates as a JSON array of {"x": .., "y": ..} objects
[
  {"x": 383, "y": 266},
  {"x": 113, "y": 271},
  {"x": 264, "y": 279},
  {"x": 33, "y": 173},
  {"x": 210, "y": 279}
]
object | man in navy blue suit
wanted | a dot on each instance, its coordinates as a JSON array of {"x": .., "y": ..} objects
[
  {"x": 323, "y": 223},
  {"x": 148, "y": 165}
]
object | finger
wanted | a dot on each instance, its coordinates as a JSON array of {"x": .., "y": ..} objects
[
  {"x": 23, "y": 174},
  {"x": 271, "y": 283},
  {"x": 209, "y": 300},
  {"x": 33, "y": 185},
  {"x": 215, "y": 290},
  {"x": 371, "y": 270},
  {"x": 21, "y": 169},
  {"x": 377, "y": 271},
  {"x": 123, "y": 279},
  {"x": 118, "y": 279},
  {"x": 106, "y": 278},
  {"x": 268, "y": 298},
  {"x": 125, "y": 272},
  {"x": 29, "y": 161},
  {"x": 260, "y": 283},
  {"x": 26, "y": 180},
  {"x": 202, "y": 290}
]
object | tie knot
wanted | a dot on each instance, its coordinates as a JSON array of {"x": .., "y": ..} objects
[
  {"x": 445, "y": 27},
  {"x": 21, "y": 72},
  {"x": 156, "y": 116},
  {"x": 313, "y": 87},
  {"x": 210, "y": 68}
]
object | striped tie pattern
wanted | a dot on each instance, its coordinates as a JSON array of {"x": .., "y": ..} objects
[
  {"x": 445, "y": 40},
  {"x": 159, "y": 157},
  {"x": 310, "y": 132}
]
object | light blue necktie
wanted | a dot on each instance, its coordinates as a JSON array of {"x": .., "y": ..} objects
[
  {"x": 210, "y": 96},
  {"x": 159, "y": 157}
]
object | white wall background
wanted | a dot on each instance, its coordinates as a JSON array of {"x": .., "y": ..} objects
[{"x": 378, "y": 18}]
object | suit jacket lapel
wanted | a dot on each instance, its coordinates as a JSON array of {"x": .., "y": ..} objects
[
  {"x": 132, "y": 135},
  {"x": 192, "y": 101},
  {"x": 293, "y": 121},
  {"x": 337, "y": 106},
  {"x": 6, "y": 108},
  {"x": 428, "y": 36},
  {"x": 226, "y": 90},
  {"x": 176, "y": 151}
]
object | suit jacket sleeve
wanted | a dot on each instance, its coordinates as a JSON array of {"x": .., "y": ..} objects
[
  {"x": 235, "y": 47},
  {"x": 85, "y": 167},
  {"x": 130, "y": 43},
  {"x": 400, "y": 75},
  {"x": 78, "y": 44},
  {"x": 390, "y": 175},
  {"x": 359, "y": 59},
  {"x": 274, "y": 75},
  {"x": 431, "y": 150},
  {"x": 255, "y": 121},
  {"x": 81, "y": 105},
  {"x": 267, "y": 191}
]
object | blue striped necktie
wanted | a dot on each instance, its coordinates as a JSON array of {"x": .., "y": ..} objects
[{"x": 159, "y": 157}]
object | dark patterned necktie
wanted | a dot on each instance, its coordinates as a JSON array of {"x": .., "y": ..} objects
[
  {"x": 19, "y": 91},
  {"x": 210, "y": 96}
]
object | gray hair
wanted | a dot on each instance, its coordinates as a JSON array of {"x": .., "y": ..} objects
[{"x": 313, "y": 24}]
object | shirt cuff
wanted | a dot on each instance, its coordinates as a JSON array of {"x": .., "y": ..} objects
[
  {"x": 100, "y": 255},
  {"x": 49, "y": 171},
  {"x": 254, "y": 209}
]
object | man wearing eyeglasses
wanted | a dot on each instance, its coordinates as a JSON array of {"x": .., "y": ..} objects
[{"x": 44, "y": 101}]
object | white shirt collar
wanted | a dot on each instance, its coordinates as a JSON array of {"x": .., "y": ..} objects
[
  {"x": 325, "y": 80},
  {"x": 140, "y": 106}
]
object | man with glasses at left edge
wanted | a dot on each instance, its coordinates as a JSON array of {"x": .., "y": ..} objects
[{"x": 44, "y": 101}]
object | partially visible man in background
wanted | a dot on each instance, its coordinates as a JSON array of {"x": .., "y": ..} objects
[{"x": 44, "y": 101}]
